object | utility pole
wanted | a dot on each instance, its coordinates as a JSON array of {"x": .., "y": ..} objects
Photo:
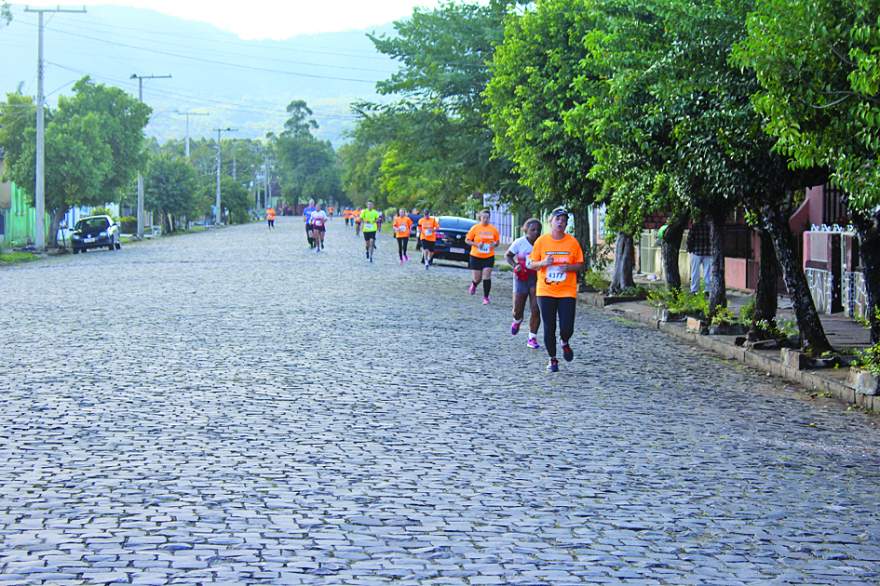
[
  {"x": 140, "y": 180},
  {"x": 217, "y": 201},
  {"x": 40, "y": 170},
  {"x": 188, "y": 114}
]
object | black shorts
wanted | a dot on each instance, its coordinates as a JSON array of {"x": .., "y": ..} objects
[
  {"x": 318, "y": 228},
  {"x": 478, "y": 264},
  {"x": 428, "y": 244},
  {"x": 369, "y": 236}
]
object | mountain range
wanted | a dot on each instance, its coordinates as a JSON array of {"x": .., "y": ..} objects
[{"x": 224, "y": 80}]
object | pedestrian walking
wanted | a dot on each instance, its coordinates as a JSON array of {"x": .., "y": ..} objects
[
  {"x": 482, "y": 238},
  {"x": 558, "y": 258},
  {"x": 402, "y": 226},
  {"x": 270, "y": 217},
  {"x": 699, "y": 247},
  {"x": 525, "y": 281}
]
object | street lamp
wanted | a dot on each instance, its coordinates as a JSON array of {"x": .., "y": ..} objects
[
  {"x": 217, "y": 201},
  {"x": 140, "y": 178}
]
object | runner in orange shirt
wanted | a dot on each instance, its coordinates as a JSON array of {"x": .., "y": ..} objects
[
  {"x": 401, "y": 226},
  {"x": 482, "y": 238},
  {"x": 357, "y": 221},
  {"x": 428, "y": 227},
  {"x": 270, "y": 217},
  {"x": 558, "y": 258}
]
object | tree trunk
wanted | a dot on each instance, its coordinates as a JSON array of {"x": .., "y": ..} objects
[
  {"x": 812, "y": 333},
  {"x": 766, "y": 292},
  {"x": 717, "y": 283},
  {"x": 869, "y": 254},
  {"x": 624, "y": 261},
  {"x": 55, "y": 224},
  {"x": 670, "y": 247}
]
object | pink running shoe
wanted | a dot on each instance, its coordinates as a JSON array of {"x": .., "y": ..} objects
[
  {"x": 514, "y": 328},
  {"x": 485, "y": 301},
  {"x": 472, "y": 288},
  {"x": 533, "y": 344}
]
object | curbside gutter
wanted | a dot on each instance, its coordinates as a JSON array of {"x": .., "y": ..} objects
[{"x": 767, "y": 360}]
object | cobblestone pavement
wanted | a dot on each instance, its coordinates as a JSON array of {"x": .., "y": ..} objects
[{"x": 231, "y": 408}]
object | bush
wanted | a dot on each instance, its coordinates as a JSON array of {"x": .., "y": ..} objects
[
  {"x": 869, "y": 358},
  {"x": 101, "y": 212},
  {"x": 679, "y": 301},
  {"x": 597, "y": 280},
  {"x": 128, "y": 224},
  {"x": 747, "y": 312}
]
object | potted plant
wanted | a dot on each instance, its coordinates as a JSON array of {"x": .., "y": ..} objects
[{"x": 725, "y": 323}]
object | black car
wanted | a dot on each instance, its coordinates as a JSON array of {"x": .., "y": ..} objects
[
  {"x": 450, "y": 238},
  {"x": 95, "y": 232}
]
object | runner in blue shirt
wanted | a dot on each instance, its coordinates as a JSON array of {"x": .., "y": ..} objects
[{"x": 308, "y": 217}]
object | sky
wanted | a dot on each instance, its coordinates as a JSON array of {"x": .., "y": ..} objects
[{"x": 271, "y": 19}]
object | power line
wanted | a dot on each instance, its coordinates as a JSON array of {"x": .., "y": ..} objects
[
  {"x": 198, "y": 99},
  {"x": 217, "y": 61},
  {"x": 284, "y": 46}
]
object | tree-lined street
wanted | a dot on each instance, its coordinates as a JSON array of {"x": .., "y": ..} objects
[{"x": 232, "y": 408}]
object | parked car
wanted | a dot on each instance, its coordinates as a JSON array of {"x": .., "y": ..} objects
[
  {"x": 450, "y": 238},
  {"x": 95, "y": 232}
]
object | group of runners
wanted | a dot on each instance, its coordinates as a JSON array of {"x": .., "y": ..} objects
[
  {"x": 545, "y": 266},
  {"x": 545, "y": 269}
]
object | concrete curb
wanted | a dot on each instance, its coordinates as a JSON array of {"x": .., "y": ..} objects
[{"x": 767, "y": 361}]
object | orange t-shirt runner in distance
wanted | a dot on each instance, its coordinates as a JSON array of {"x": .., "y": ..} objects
[
  {"x": 402, "y": 226},
  {"x": 428, "y": 229},
  {"x": 483, "y": 236},
  {"x": 566, "y": 251}
]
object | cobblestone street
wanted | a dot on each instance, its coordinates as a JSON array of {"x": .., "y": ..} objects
[{"x": 230, "y": 407}]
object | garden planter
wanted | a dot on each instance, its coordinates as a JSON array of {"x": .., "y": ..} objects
[
  {"x": 863, "y": 381},
  {"x": 663, "y": 314},
  {"x": 697, "y": 326},
  {"x": 728, "y": 330}
]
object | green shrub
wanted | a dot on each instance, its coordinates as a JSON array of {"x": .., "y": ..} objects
[
  {"x": 747, "y": 312},
  {"x": 128, "y": 224},
  {"x": 597, "y": 280},
  {"x": 723, "y": 317},
  {"x": 101, "y": 211},
  {"x": 680, "y": 301},
  {"x": 869, "y": 358}
]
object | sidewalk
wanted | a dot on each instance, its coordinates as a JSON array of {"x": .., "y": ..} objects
[{"x": 841, "y": 331}]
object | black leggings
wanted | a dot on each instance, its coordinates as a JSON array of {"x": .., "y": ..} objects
[
  {"x": 550, "y": 307},
  {"x": 402, "y": 243}
]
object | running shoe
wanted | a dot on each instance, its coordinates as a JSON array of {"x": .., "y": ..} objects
[
  {"x": 567, "y": 353},
  {"x": 553, "y": 366},
  {"x": 427, "y": 266},
  {"x": 472, "y": 288},
  {"x": 533, "y": 344},
  {"x": 405, "y": 258},
  {"x": 401, "y": 261},
  {"x": 485, "y": 301},
  {"x": 514, "y": 328}
]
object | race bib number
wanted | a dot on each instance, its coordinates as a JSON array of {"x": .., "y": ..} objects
[
  {"x": 555, "y": 274},
  {"x": 318, "y": 223},
  {"x": 429, "y": 231},
  {"x": 484, "y": 247},
  {"x": 402, "y": 228}
]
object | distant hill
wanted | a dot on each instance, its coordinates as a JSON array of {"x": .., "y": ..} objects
[{"x": 241, "y": 84}]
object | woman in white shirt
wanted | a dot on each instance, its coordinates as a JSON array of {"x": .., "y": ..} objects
[
  {"x": 318, "y": 221},
  {"x": 525, "y": 281}
]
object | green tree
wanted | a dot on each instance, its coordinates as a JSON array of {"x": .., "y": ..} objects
[
  {"x": 817, "y": 65},
  {"x": 235, "y": 199},
  {"x": 93, "y": 147},
  {"x": 532, "y": 87},
  {"x": 308, "y": 167},
  {"x": 437, "y": 127},
  {"x": 171, "y": 188}
]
